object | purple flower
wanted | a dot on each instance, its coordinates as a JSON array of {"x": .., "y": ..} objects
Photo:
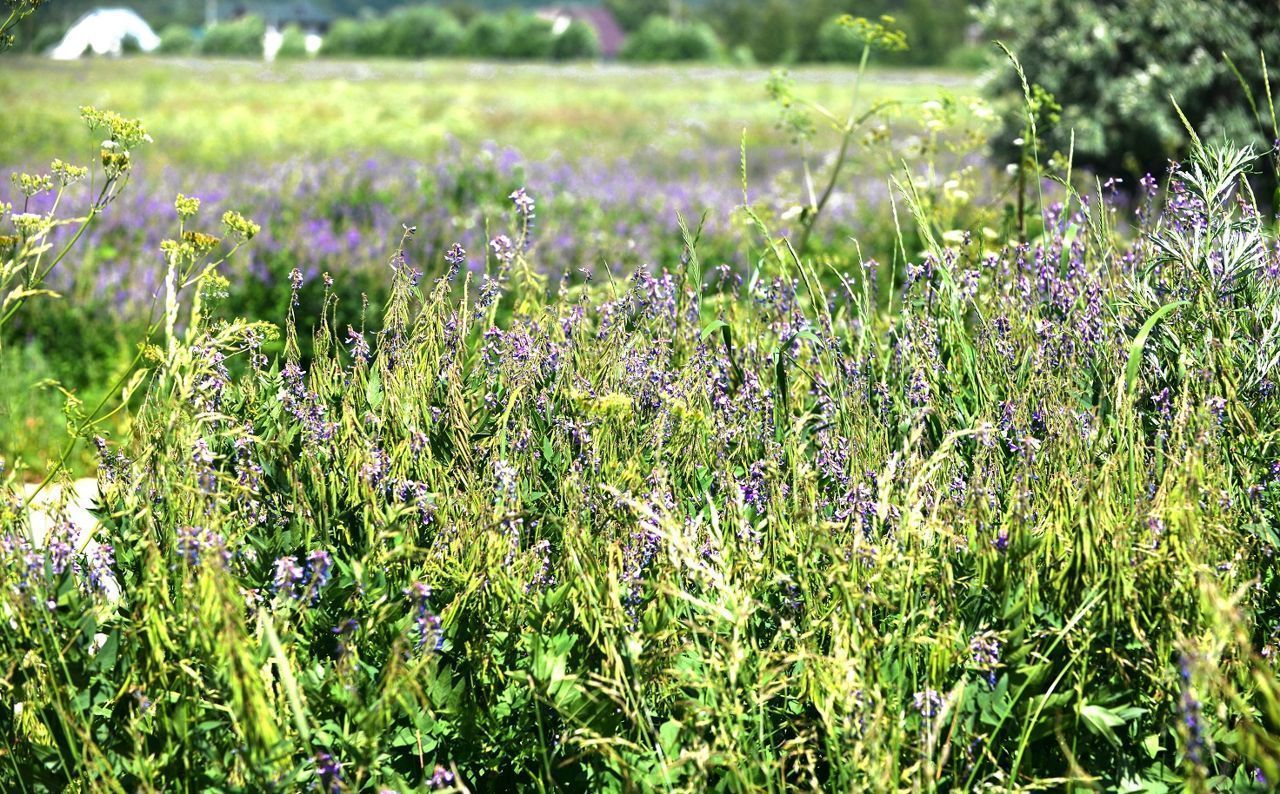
[
  {"x": 523, "y": 203},
  {"x": 287, "y": 577},
  {"x": 426, "y": 622},
  {"x": 198, "y": 544},
  {"x": 359, "y": 345},
  {"x": 440, "y": 778},
  {"x": 330, "y": 771},
  {"x": 928, "y": 702},
  {"x": 320, "y": 566},
  {"x": 503, "y": 249},
  {"x": 984, "y": 654}
]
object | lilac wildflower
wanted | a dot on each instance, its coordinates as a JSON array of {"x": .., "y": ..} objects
[
  {"x": 440, "y": 778},
  {"x": 928, "y": 702},
  {"x": 503, "y": 249},
  {"x": 523, "y": 203},
  {"x": 329, "y": 769},
  {"x": 425, "y": 621},
  {"x": 359, "y": 345},
  {"x": 287, "y": 577}
]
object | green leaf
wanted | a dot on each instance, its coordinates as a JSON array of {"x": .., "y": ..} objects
[
  {"x": 668, "y": 736},
  {"x": 373, "y": 391},
  {"x": 1103, "y": 721},
  {"x": 1139, "y": 341},
  {"x": 711, "y": 327}
]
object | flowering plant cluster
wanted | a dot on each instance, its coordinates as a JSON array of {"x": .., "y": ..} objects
[{"x": 999, "y": 513}]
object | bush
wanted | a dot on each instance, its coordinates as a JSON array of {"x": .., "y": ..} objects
[
  {"x": 487, "y": 36},
  {"x": 665, "y": 39},
  {"x": 355, "y": 37},
  {"x": 178, "y": 40},
  {"x": 531, "y": 37},
  {"x": 838, "y": 43},
  {"x": 46, "y": 38},
  {"x": 421, "y": 32},
  {"x": 1113, "y": 71},
  {"x": 293, "y": 44},
  {"x": 577, "y": 42},
  {"x": 241, "y": 37}
]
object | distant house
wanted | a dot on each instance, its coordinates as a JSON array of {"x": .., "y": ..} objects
[
  {"x": 601, "y": 19},
  {"x": 106, "y": 31}
]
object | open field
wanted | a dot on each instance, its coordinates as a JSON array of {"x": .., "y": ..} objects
[{"x": 218, "y": 113}]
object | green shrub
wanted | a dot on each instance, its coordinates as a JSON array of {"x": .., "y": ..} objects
[
  {"x": 293, "y": 45},
  {"x": 130, "y": 45},
  {"x": 665, "y": 39},
  {"x": 46, "y": 38},
  {"x": 577, "y": 42},
  {"x": 487, "y": 36},
  {"x": 241, "y": 37},
  {"x": 355, "y": 37},
  {"x": 421, "y": 32},
  {"x": 1113, "y": 67},
  {"x": 970, "y": 58},
  {"x": 531, "y": 37},
  {"x": 178, "y": 40},
  {"x": 838, "y": 43}
]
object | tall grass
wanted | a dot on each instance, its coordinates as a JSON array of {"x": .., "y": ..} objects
[{"x": 996, "y": 515}]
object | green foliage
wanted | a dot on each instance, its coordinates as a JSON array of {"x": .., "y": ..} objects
[
  {"x": 632, "y": 14},
  {"x": 178, "y": 40},
  {"x": 780, "y": 31},
  {"x": 293, "y": 44},
  {"x": 355, "y": 37},
  {"x": 578, "y": 41},
  {"x": 838, "y": 43},
  {"x": 17, "y": 11},
  {"x": 487, "y": 36},
  {"x": 1114, "y": 67},
  {"x": 662, "y": 39},
  {"x": 529, "y": 37},
  {"x": 46, "y": 38},
  {"x": 240, "y": 38},
  {"x": 420, "y": 32}
]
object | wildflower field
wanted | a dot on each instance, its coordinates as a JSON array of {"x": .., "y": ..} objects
[{"x": 765, "y": 434}]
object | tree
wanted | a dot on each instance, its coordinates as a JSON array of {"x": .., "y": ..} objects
[
  {"x": 578, "y": 41},
  {"x": 1113, "y": 68},
  {"x": 663, "y": 39},
  {"x": 632, "y": 14}
]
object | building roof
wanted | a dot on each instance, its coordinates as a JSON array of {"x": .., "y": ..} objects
[{"x": 104, "y": 32}]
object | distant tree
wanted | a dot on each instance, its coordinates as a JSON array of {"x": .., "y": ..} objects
[
  {"x": 801, "y": 30},
  {"x": 666, "y": 39},
  {"x": 578, "y": 42},
  {"x": 355, "y": 37},
  {"x": 1114, "y": 66},
  {"x": 530, "y": 37},
  {"x": 293, "y": 44},
  {"x": 178, "y": 40},
  {"x": 46, "y": 37},
  {"x": 241, "y": 37},
  {"x": 632, "y": 14},
  {"x": 838, "y": 43},
  {"x": 487, "y": 36},
  {"x": 420, "y": 32}
]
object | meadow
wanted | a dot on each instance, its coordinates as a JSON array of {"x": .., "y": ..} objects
[
  {"x": 464, "y": 427},
  {"x": 336, "y": 157}
]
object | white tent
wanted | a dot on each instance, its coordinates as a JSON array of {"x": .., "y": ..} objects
[{"x": 104, "y": 32}]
